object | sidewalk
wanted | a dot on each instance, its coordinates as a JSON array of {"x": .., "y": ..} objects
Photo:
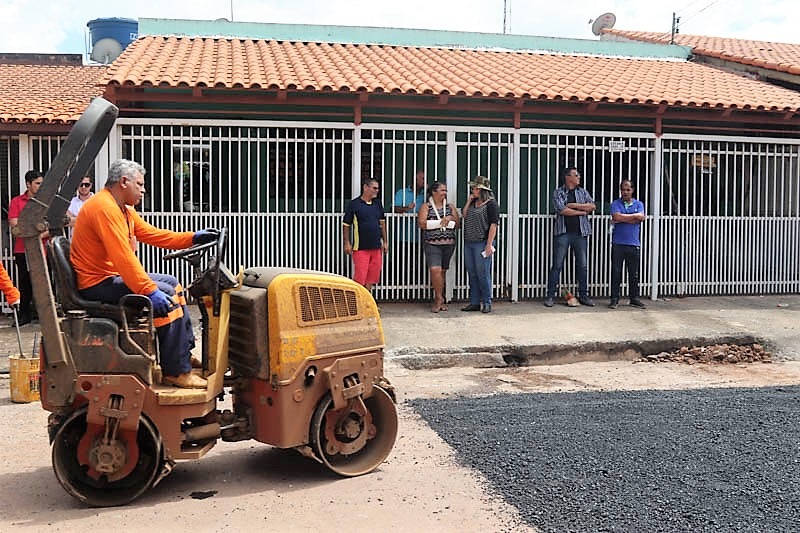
[{"x": 528, "y": 332}]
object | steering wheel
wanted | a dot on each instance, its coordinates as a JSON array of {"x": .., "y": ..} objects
[
  {"x": 213, "y": 271},
  {"x": 192, "y": 250}
]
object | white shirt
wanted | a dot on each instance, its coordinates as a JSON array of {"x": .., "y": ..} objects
[{"x": 76, "y": 204}]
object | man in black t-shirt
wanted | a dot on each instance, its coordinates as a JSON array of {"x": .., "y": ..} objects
[{"x": 366, "y": 216}]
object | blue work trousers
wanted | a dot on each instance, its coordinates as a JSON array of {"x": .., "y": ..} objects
[{"x": 175, "y": 339}]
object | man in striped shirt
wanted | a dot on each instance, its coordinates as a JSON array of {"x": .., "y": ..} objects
[{"x": 572, "y": 205}]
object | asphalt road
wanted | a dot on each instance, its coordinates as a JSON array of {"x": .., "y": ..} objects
[{"x": 692, "y": 460}]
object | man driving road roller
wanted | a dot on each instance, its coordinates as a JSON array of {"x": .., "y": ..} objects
[{"x": 103, "y": 255}]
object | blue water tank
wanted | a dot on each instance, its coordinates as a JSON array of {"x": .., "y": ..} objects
[
  {"x": 124, "y": 31},
  {"x": 110, "y": 36}
]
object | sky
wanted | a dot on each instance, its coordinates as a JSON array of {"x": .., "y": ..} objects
[{"x": 59, "y": 26}]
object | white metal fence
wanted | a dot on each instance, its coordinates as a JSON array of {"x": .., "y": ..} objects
[
  {"x": 18, "y": 154},
  {"x": 722, "y": 211},
  {"x": 729, "y": 216}
]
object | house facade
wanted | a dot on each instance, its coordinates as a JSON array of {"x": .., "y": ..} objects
[{"x": 268, "y": 130}]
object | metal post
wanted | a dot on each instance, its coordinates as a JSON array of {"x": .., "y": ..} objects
[
  {"x": 512, "y": 231},
  {"x": 24, "y": 159},
  {"x": 655, "y": 217},
  {"x": 452, "y": 188}
]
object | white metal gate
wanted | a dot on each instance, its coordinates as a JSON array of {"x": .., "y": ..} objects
[
  {"x": 280, "y": 188},
  {"x": 393, "y": 155},
  {"x": 486, "y": 153},
  {"x": 603, "y": 160},
  {"x": 722, "y": 212},
  {"x": 19, "y": 154},
  {"x": 729, "y": 216}
]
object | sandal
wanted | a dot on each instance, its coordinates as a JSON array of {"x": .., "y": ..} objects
[{"x": 443, "y": 307}]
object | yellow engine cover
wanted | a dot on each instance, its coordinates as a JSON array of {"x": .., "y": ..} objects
[{"x": 314, "y": 316}]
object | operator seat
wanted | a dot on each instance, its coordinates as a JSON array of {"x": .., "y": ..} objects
[{"x": 67, "y": 288}]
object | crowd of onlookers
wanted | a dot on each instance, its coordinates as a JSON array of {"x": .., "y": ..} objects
[{"x": 439, "y": 219}]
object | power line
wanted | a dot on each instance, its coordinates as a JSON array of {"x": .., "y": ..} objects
[
  {"x": 690, "y": 17},
  {"x": 678, "y": 12},
  {"x": 676, "y": 21}
]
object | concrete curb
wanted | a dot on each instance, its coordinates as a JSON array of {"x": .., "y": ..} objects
[{"x": 423, "y": 358}]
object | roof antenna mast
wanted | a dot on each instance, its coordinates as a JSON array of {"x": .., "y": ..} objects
[
  {"x": 506, "y": 21},
  {"x": 675, "y": 30}
]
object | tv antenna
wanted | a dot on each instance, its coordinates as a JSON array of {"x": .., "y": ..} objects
[
  {"x": 605, "y": 21},
  {"x": 506, "y": 17}
]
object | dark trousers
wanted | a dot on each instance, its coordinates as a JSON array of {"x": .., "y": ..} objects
[
  {"x": 24, "y": 285},
  {"x": 629, "y": 255},
  {"x": 175, "y": 339}
]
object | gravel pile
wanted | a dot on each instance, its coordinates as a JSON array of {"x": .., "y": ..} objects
[
  {"x": 716, "y": 353},
  {"x": 702, "y": 460}
]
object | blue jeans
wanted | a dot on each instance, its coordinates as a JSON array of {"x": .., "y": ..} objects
[
  {"x": 580, "y": 249},
  {"x": 479, "y": 270},
  {"x": 175, "y": 339}
]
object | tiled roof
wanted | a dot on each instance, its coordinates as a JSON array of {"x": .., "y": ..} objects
[
  {"x": 782, "y": 57},
  {"x": 245, "y": 63},
  {"x": 46, "y": 94}
]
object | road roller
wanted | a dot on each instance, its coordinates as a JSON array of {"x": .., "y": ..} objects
[{"x": 296, "y": 357}]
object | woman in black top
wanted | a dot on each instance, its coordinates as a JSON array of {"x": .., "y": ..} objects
[
  {"x": 481, "y": 216},
  {"x": 438, "y": 221}
]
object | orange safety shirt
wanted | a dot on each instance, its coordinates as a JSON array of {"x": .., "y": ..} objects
[
  {"x": 7, "y": 286},
  {"x": 102, "y": 243}
]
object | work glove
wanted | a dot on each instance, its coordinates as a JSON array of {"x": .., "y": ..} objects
[
  {"x": 162, "y": 304},
  {"x": 205, "y": 236}
]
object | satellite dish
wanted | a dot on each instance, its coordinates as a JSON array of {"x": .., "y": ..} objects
[
  {"x": 106, "y": 50},
  {"x": 603, "y": 22}
]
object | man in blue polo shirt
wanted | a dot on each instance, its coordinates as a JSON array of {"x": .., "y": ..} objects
[{"x": 627, "y": 214}]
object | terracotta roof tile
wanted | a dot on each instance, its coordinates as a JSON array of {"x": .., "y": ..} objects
[
  {"x": 782, "y": 57},
  {"x": 47, "y": 94},
  {"x": 232, "y": 63}
]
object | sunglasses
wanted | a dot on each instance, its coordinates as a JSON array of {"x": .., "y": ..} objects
[{"x": 85, "y": 184}]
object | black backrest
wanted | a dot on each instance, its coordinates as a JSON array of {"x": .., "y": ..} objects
[{"x": 67, "y": 287}]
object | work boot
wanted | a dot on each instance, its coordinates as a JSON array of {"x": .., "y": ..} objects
[
  {"x": 549, "y": 301},
  {"x": 585, "y": 300},
  {"x": 613, "y": 304},
  {"x": 472, "y": 307},
  {"x": 487, "y": 308},
  {"x": 638, "y": 303},
  {"x": 186, "y": 381}
]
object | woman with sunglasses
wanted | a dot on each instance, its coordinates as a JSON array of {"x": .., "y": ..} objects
[{"x": 83, "y": 193}]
